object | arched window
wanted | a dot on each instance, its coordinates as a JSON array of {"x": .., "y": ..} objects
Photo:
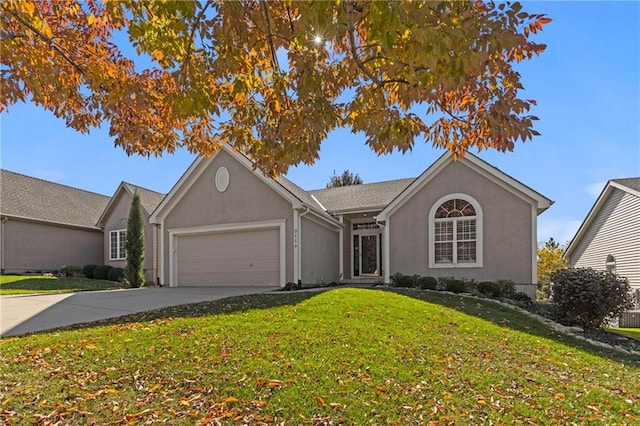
[
  {"x": 455, "y": 232},
  {"x": 611, "y": 264}
]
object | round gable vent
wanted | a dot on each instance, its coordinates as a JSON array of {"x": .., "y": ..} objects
[{"x": 222, "y": 179}]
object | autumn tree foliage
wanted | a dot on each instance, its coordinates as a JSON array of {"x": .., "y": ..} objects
[
  {"x": 134, "y": 269},
  {"x": 549, "y": 261},
  {"x": 345, "y": 179},
  {"x": 273, "y": 78}
]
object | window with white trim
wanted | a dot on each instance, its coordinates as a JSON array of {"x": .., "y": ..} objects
[
  {"x": 611, "y": 264},
  {"x": 117, "y": 249},
  {"x": 455, "y": 232}
]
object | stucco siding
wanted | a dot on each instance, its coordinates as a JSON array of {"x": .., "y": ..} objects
[
  {"x": 247, "y": 199},
  {"x": 117, "y": 220},
  {"x": 37, "y": 246},
  {"x": 320, "y": 253},
  {"x": 506, "y": 227},
  {"x": 615, "y": 231}
]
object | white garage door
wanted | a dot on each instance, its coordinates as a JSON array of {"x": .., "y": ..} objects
[{"x": 241, "y": 258}]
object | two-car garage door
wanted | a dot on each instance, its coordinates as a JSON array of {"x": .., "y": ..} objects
[{"x": 231, "y": 258}]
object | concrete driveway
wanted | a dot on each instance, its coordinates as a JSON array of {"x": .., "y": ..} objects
[{"x": 22, "y": 314}]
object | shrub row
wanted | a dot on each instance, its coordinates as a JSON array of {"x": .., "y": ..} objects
[
  {"x": 493, "y": 289},
  {"x": 103, "y": 272}
]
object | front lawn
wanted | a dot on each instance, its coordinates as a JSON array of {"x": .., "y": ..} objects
[
  {"x": 338, "y": 357},
  {"x": 633, "y": 333},
  {"x": 25, "y": 284}
]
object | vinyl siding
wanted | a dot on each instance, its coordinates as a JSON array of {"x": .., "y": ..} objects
[{"x": 615, "y": 230}]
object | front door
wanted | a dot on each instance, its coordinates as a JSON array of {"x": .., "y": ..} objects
[{"x": 366, "y": 254}]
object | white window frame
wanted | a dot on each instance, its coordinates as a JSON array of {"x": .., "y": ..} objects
[
  {"x": 610, "y": 264},
  {"x": 479, "y": 235},
  {"x": 121, "y": 251}
]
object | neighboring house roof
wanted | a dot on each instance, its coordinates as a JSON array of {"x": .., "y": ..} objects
[
  {"x": 363, "y": 197},
  {"x": 37, "y": 199},
  {"x": 632, "y": 184},
  {"x": 148, "y": 199},
  {"x": 629, "y": 185}
]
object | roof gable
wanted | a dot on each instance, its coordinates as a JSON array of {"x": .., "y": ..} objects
[
  {"x": 37, "y": 199},
  {"x": 282, "y": 186},
  {"x": 629, "y": 185},
  {"x": 480, "y": 166},
  {"x": 148, "y": 199}
]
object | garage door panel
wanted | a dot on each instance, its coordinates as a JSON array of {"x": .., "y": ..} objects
[{"x": 250, "y": 257}]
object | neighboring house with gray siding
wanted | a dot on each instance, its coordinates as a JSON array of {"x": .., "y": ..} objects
[
  {"x": 45, "y": 225},
  {"x": 113, "y": 221},
  {"x": 609, "y": 237}
]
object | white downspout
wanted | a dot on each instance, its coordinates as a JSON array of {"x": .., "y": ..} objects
[
  {"x": 296, "y": 243},
  {"x": 299, "y": 277},
  {"x": 341, "y": 248},
  {"x": 385, "y": 252}
]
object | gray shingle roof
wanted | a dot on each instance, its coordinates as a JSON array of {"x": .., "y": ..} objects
[
  {"x": 368, "y": 196},
  {"x": 38, "y": 199},
  {"x": 633, "y": 183},
  {"x": 300, "y": 193},
  {"x": 148, "y": 198}
]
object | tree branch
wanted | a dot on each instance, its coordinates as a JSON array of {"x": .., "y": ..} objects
[
  {"x": 48, "y": 40},
  {"x": 274, "y": 58},
  {"x": 191, "y": 46}
]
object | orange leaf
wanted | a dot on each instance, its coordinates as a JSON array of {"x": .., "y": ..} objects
[
  {"x": 274, "y": 384},
  {"x": 321, "y": 401}
]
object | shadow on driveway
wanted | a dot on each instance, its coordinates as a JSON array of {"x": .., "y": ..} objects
[{"x": 24, "y": 314}]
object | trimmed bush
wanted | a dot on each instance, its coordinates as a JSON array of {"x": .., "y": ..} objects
[
  {"x": 508, "y": 287},
  {"x": 454, "y": 285},
  {"x": 115, "y": 274},
  {"x": 87, "y": 270},
  {"x": 102, "y": 272},
  {"x": 401, "y": 280},
  {"x": 427, "y": 283},
  {"x": 521, "y": 297},
  {"x": 70, "y": 270},
  {"x": 490, "y": 289},
  {"x": 589, "y": 298}
]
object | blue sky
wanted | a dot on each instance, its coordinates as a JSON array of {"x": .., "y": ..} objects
[{"x": 587, "y": 85}]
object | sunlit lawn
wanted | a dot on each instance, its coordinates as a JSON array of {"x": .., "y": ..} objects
[
  {"x": 633, "y": 333},
  {"x": 339, "y": 357},
  {"x": 25, "y": 284}
]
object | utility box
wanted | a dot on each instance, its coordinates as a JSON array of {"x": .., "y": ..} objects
[{"x": 629, "y": 319}]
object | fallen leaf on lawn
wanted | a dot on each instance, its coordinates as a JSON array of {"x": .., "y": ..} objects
[
  {"x": 321, "y": 401},
  {"x": 274, "y": 384}
]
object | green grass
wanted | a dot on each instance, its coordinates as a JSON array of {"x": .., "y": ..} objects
[
  {"x": 341, "y": 356},
  {"x": 633, "y": 333},
  {"x": 26, "y": 284}
]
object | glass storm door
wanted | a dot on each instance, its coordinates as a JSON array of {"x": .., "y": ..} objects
[{"x": 366, "y": 255}]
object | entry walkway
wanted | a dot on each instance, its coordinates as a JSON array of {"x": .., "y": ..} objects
[{"x": 23, "y": 314}]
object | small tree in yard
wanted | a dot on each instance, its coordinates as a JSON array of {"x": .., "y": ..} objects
[
  {"x": 134, "y": 271},
  {"x": 589, "y": 298},
  {"x": 549, "y": 260}
]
